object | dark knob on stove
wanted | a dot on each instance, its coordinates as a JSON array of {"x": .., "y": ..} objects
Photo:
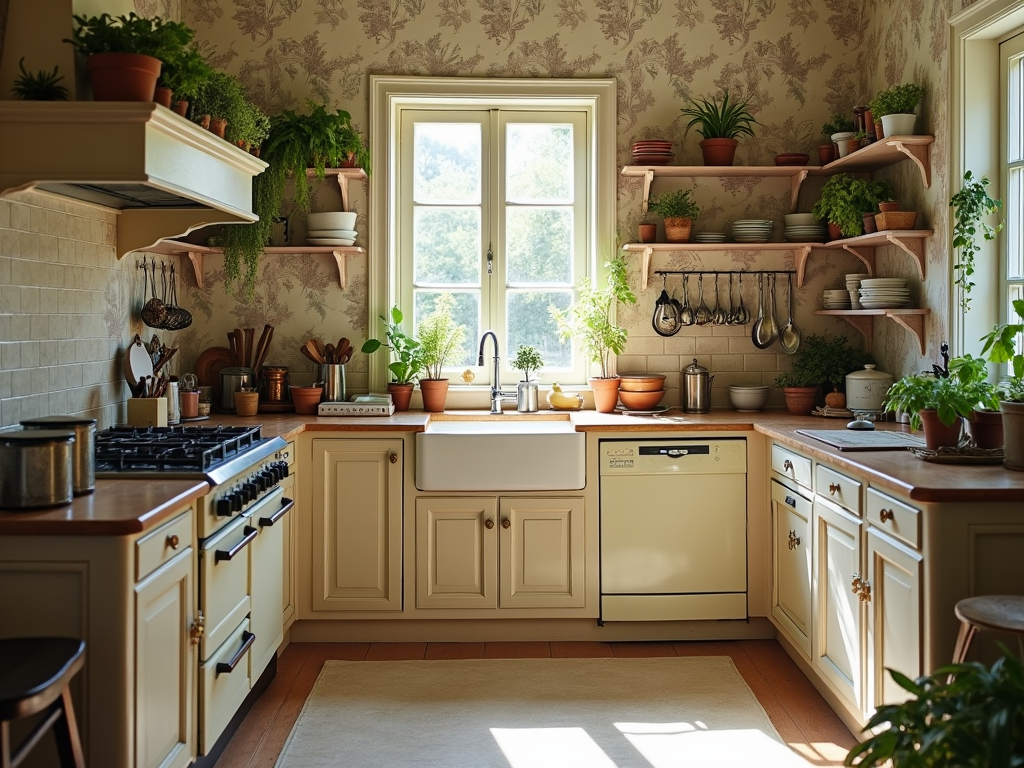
[
  {"x": 252, "y": 490},
  {"x": 224, "y": 506},
  {"x": 283, "y": 466},
  {"x": 268, "y": 479},
  {"x": 236, "y": 501},
  {"x": 274, "y": 473}
]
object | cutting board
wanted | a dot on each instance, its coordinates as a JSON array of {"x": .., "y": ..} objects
[{"x": 867, "y": 440}]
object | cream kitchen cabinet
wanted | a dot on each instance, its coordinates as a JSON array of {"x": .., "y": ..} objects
[
  {"x": 289, "y": 542},
  {"x": 356, "y": 516},
  {"x": 507, "y": 552},
  {"x": 792, "y": 563}
]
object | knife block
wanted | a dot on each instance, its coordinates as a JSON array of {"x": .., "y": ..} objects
[{"x": 147, "y": 412}]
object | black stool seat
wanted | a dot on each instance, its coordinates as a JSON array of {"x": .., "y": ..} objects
[{"x": 34, "y": 676}]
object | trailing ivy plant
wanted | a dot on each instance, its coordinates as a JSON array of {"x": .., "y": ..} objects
[{"x": 970, "y": 205}]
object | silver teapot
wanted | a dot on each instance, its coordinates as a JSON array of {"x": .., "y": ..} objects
[{"x": 697, "y": 388}]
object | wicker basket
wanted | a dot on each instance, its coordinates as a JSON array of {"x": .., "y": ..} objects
[{"x": 895, "y": 220}]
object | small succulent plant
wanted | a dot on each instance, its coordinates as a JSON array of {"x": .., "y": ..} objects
[{"x": 39, "y": 86}]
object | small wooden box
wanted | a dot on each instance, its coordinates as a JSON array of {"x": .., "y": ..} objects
[
  {"x": 147, "y": 412},
  {"x": 895, "y": 220}
]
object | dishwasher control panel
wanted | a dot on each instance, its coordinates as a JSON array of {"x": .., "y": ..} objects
[{"x": 673, "y": 456}]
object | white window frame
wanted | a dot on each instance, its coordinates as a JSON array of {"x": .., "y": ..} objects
[
  {"x": 389, "y": 94},
  {"x": 1011, "y": 49}
]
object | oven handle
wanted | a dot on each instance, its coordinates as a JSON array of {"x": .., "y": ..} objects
[
  {"x": 228, "y": 554},
  {"x": 286, "y": 504},
  {"x": 225, "y": 667}
]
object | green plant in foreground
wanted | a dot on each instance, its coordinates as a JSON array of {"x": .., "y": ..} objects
[
  {"x": 838, "y": 123},
  {"x": 965, "y": 389},
  {"x": 39, "y": 86},
  {"x": 676, "y": 204},
  {"x": 440, "y": 338},
  {"x": 896, "y": 100},
  {"x": 527, "y": 359},
  {"x": 845, "y": 200},
  {"x": 823, "y": 361},
  {"x": 970, "y": 205},
  {"x": 974, "y": 718},
  {"x": 720, "y": 120},
  {"x": 406, "y": 351},
  {"x": 1003, "y": 345}
]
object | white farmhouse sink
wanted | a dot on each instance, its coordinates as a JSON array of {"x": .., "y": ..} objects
[{"x": 500, "y": 454}]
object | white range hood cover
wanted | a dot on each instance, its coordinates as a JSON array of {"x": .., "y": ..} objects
[{"x": 164, "y": 174}]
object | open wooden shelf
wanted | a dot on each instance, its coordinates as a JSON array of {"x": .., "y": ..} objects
[
  {"x": 864, "y": 321},
  {"x": 795, "y": 173},
  {"x": 344, "y": 176}
]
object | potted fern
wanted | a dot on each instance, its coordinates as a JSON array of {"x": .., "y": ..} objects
[
  {"x": 441, "y": 340},
  {"x": 183, "y": 76},
  {"x": 844, "y": 201},
  {"x": 719, "y": 122}
]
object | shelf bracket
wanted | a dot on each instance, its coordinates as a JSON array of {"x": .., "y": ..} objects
[
  {"x": 913, "y": 323},
  {"x": 343, "y": 187},
  {"x": 866, "y": 325},
  {"x": 794, "y": 188},
  {"x": 196, "y": 257},
  {"x": 648, "y": 180},
  {"x": 919, "y": 154},
  {"x": 342, "y": 258},
  {"x": 914, "y": 247},
  {"x": 802, "y": 253},
  {"x": 865, "y": 253},
  {"x": 645, "y": 267}
]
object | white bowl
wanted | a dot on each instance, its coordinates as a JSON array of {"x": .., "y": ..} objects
[
  {"x": 331, "y": 220},
  {"x": 800, "y": 219},
  {"x": 349, "y": 234},
  {"x": 748, "y": 399}
]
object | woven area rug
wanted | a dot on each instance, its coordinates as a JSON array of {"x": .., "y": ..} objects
[{"x": 535, "y": 713}]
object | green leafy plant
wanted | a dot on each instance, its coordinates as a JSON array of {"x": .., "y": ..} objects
[
  {"x": 838, "y": 123},
  {"x": 406, "y": 351},
  {"x": 440, "y": 338},
  {"x": 970, "y": 205},
  {"x": 185, "y": 73},
  {"x": 1003, "y": 345},
  {"x": 39, "y": 86},
  {"x": 823, "y": 361},
  {"x": 845, "y": 200},
  {"x": 675, "y": 204},
  {"x": 150, "y": 36},
  {"x": 719, "y": 120},
  {"x": 960, "y": 715},
  {"x": 589, "y": 318},
  {"x": 527, "y": 359},
  {"x": 896, "y": 100},
  {"x": 222, "y": 95},
  {"x": 965, "y": 389}
]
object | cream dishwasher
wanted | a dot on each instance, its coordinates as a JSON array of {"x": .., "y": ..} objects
[{"x": 673, "y": 529}]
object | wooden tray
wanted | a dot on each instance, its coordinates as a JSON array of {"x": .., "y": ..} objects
[
  {"x": 960, "y": 455},
  {"x": 208, "y": 368}
]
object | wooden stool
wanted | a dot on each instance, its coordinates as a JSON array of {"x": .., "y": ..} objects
[
  {"x": 34, "y": 677},
  {"x": 1001, "y": 613}
]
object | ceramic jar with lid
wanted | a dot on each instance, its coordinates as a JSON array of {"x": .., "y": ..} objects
[{"x": 866, "y": 389}]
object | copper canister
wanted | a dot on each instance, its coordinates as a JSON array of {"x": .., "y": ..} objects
[{"x": 275, "y": 384}]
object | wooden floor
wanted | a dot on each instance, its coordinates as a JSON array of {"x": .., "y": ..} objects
[{"x": 797, "y": 711}]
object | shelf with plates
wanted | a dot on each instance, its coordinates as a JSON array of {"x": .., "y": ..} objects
[
  {"x": 195, "y": 254},
  {"x": 864, "y": 321}
]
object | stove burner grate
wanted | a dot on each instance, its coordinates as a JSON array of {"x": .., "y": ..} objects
[{"x": 171, "y": 449}]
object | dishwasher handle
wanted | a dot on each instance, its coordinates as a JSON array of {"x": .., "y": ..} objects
[{"x": 674, "y": 451}]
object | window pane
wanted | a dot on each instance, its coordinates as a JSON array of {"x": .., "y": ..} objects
[
  {"x": 446, "y": 246},
  {"x": 1015, "y": 140},
  {"x": 539, "y": 243},
  {"x": 447, "y": 163},
  {"x": 529, "y": 322},
  {"x": 539, "y": 163},
  {"x": 466, "y": 312},
  {"x": 1012, "y": 228}
]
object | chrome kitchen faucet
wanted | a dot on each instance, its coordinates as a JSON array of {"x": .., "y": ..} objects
[{"x": 496, "y": 394}]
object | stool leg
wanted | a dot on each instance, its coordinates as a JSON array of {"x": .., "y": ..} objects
[
  {"x": 65, "y": 730},
  {"x": 963, "y": 642},
  {"x": 5, "y": 744}
]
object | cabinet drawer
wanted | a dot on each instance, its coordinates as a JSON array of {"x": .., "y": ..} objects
[
  {"x": 157, "y": 547},
  {"x": 287, "y": 453},
  {"x": 899, "y": 519},
  {"x": 837, "y": 487},
  {"x": 791, "y": 465},
  {"x": 224, "y": 684}
]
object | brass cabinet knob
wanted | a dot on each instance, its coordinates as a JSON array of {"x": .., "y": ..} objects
[
  {"x": 488, "y": 523},
  {"x": 856, "y": 584},
  {"x": 833, "y": 488},
  {"x": 886, "y": 515},
  {"x": 865, "y": 592},
  {"x": 506, "y": 523},
  {"x": 197, "y": 629},
  {"x": 393, "y": 458},
  {"x": 794, "y": 540},
  {"x": 172, "y": 541}
]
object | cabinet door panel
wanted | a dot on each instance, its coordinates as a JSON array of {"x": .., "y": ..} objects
[
  {"x": 456, "y": 553},
  {"x": 357, "y": 525},
  {"x": 289, "y": 551},
  {"x": 541, "y": 553},
  {"x": 792, "y": 565}
]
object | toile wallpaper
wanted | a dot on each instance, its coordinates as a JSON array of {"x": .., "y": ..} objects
[{"x": 798, "y": 61}]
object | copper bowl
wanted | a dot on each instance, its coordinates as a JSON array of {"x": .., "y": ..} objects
[
  {"x": 646, "y": 382},
  {"x": 641, "y": 401}
]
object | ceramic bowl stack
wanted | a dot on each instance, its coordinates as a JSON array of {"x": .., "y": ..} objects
[
  {"x": 836, "y": 299},
  {"x": 709, "y": 237},
  {"x": 331, "y": 228},
  {"x": 884, "y": 293},
  {"x": 652, "y": 152},
  {"x": 748, "y": 399},
  {"x": 752, "y": 230},
  {"x": 853, "y": 286},
  {"x": 804, "y": 228}
]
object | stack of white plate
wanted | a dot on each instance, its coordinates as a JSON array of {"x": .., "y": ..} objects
[
  {"x": 853, "y": 286},
  {"x": 331, "y": 236},
  {"x": 752, "y": 230},
  {"x": 709, "y": 237},
  {"x": 884, "y": 292},
  {"x": 805, "y": 233},
  {"x": 836, "y": 299},
  {"x": 331, "y": 228}
]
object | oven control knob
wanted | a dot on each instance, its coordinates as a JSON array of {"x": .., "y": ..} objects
[
  {"x": 236, "y": 501},
  {"x": 252, "y": 489},
  {"x": 274, "y": 474},
  {"x": 224, "y": 507},
  {"x": 283, "y": 466},
  {"x": 267, "y": 479}
]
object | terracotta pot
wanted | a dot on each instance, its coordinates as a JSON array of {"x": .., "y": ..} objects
[
  {"x": 869, "y": 223},
  {"x": 401, "y": 394},
  {"x": 869, "y": 125},
  {"x": 348, "y": 162},
  {"x": 123, "y": 76},
  {"x": 306, "y": 399},
  {"x": 891, "y": 205},
  {"x": 937, "y": 434},
  {"x": 826, "y": 153},
  {"x": 800, "y": 400},
  {"x": 834, "y": 232},
  {"x": 719, "y": 151},
  {"x": 1013, "y": 434},
  {"x": 879, "y": 131},
  {"x": 647, "y": 231},
  {"x": 162, "y": 96},
  {"x": 435, "y": 392},
  {"x": 986, "y": 429},
  {"x": 204, "y": 122},
  {"x": 677, "y": 230},
  {"x": 218, "y": 125},
  {"x": 181, "y": 107},
  {"x": 606, "y": 393},
  {"x": 848, "y": 146}
]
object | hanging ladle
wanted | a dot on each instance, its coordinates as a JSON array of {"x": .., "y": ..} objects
[
  {"x": 742, "y": 313},
  {"x": 666, "y": 313},
  {"x": 686, "y": 313},
  {"x": 789, "y": 336},
  {"x": 718, "y": 316},
  {"x": 759, "y": 334}
]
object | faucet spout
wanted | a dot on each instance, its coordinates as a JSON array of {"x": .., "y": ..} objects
[{"x": 496, "y": 394}]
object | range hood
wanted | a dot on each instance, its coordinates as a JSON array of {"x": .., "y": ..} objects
[{"x": 164, "y": 175}]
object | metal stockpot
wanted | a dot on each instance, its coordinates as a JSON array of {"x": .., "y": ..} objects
[
  {"x": 35, "y": 468},
  {"x": 232, "y": 380},
  {"x": 84, "y": 452},
  {"x": 697, "y": 388}
]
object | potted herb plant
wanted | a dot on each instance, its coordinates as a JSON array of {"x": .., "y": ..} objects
[
  {"x": 184, "y": 76},
  {"x": 407, "y": 362},
  {"x": 39, "y": 86},
  {"x": 441, "y": 340},
  {"x": 895, "y": 108},
  {"x": 820, "y": 362},
  {"x": 719, "y": 122},
  {"x": 678, "y": 210},
  {"x": 971, "y": 204},
  {"x": 589, "y": 321},
  {"x": 527, "y": 359},
  {"x": 844, "y": 201},
  {"x": 838, "y": 127},
  {"x": 124, "y": 53},
  {"x": 1003, "y": 345}
]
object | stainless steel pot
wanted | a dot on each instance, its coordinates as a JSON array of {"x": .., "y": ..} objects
[
  {"x": 697, "y": 388},
  {"x": 231, "y": 381},
  {"x": 35, "y": 468},
  {"x": 84, "y": 452}
]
